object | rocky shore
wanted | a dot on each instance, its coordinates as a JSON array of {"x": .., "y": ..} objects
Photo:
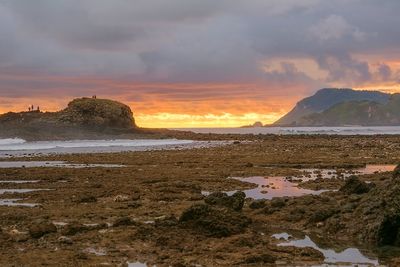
[{"x": 154, "y": 210}]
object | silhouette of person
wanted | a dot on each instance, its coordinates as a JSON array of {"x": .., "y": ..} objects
[
  {"x": 38, "y": 108},
  {"x": 29, "y": 108}
]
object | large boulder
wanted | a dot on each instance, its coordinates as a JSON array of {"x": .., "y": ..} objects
[{"x": 353, "y": 185}]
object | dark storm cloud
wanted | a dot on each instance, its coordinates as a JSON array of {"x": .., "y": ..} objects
[{"x": 207, "y": 41}]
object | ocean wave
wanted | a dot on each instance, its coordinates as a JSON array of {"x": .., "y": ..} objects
[
  {"x": 11, "y": 141},
  {"x": 44, "y": 145}
]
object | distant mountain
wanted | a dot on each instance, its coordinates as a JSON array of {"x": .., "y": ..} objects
[
  {"x": 363, "y": 113},
  {"x": 325, "y": 99}
]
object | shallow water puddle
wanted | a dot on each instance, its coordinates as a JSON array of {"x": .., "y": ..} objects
[
  {"x": 13, "y": 201},
  {"x": 12, "y": 191},
  {"x": 53, "y": 164},
  {"x": 347, "y": 257},
  {"x": 18, "y": 181},
  {"x": 137, "y": 264},
  {"x": 312, "y": 174},
  {"x": 268, "y": 188},
  {"x": 280, "y": 186}
]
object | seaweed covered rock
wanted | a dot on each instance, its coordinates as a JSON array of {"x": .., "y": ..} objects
[
  {"x": 98, "y": 113},
  {"x": 214, "y": 221},
  {"x": 41, "y": 228},
  {"x": 235, "y": 202},
  {"x": 376, "y": 219},
  {"x": 396, "y": 172},
  {"x": 353, "y": 185}
]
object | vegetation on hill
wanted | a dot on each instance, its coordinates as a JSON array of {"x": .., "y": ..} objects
[
  {"x": 325, "y": 99},
  {"x": 364, "y": 113}
]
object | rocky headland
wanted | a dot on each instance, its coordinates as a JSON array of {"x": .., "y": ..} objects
[{"x": 83, "y": 118}]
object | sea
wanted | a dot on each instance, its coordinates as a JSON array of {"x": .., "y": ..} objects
[
  {"x": 20, "y": 147},
  {"x": 350, "y": 130}
]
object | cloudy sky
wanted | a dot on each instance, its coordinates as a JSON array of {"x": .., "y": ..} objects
[{"x": 185, "y": 63}]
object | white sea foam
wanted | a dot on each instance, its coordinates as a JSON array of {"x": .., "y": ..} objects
[
  {"x": 11, "y": 141},
  {"x": 20, "y": 144}
]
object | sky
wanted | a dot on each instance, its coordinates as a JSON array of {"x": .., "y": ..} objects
[{"x": 195, "y": 63}]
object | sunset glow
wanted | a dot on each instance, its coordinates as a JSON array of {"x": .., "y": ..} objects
[{"x": 193, "y": 65}]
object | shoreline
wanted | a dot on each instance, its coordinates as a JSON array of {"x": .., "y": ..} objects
[{"x": 133, "y": 213}]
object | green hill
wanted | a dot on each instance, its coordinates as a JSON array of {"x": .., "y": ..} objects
[
  {"x": 325, "y": 99},
  {"x": 364, "y": 113}
]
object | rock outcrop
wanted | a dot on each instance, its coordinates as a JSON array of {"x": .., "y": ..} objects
[
  {"x": 97, "y": 113},
  {"x": 83, "y": 118}
]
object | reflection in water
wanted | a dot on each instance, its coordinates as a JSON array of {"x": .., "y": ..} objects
[
  {"x": 347, "y": 257},
  {"x": 279, "y": 186},
  {"x": 312, "y": 174},
  {"x": 268, "y": 188}
]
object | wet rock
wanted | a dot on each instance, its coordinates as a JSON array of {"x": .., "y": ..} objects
[
  {"x": 389, "y": 231},
  {"x": 87, "y": 199},
  {"x": 278, "y": 202},
  {"x": 2, "y": 234},
  {"x": 17, "y": 235},
  {"x": 41, "y": 228},
  {"x": 347, "y": 208},
  {"x": 396, "y": 172},
  {"x": 134, "y": 204},
  {"x": 65, "y": 240},
  {"x": 249, "y": 165},
  {"x": 73, "y": 228},
  {"x": 354, "y": 186},
  {"x": 167, "y": 221},
  {"x": 263, "y": 258},
  {"x": 257, "y": 204},
  {"x": 81, "y": 255},
  {"x": 135, "y": 196},
  {"x": 322, "y": 214},
  {"x": 295, "y": 215},
  {"x": 123, "y": 221},
  {"x": 213, "y": 221},
  {"x": 121, "y": 198},
  {"x": 235, "y": 202}
]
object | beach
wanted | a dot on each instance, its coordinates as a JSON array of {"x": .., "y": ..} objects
[{"x": 131, "y": 211}]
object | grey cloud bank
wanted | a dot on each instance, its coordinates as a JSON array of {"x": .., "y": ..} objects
[{"x": 190, "y": 41}]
